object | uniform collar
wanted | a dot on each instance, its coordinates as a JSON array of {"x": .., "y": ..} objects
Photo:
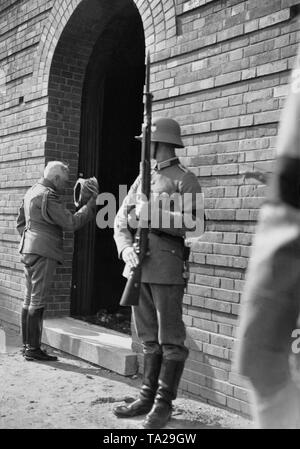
[
  {"x": 167, "y": 163},
  {"x": 45, "y": 182}
]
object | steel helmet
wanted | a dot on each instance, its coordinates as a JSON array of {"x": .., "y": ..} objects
[{"x": 166, "y": 130}]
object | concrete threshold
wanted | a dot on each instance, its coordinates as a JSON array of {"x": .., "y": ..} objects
[{"x": 101, "y": 346}]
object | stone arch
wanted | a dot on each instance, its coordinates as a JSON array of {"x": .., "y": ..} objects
[
  {"x": 76, "y": 105},
  {"x": 58, "y": 81},
  {"x": 159, "y": 20}
]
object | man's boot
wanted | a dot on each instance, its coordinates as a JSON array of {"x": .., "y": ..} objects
[
  {"x": 34, "y": 329},
  {"x": 41, "y": 324},
  {"x": 169, "y": 378},
  {"x": 24, "y": 314},
  {"x": 152, "y": 364}
]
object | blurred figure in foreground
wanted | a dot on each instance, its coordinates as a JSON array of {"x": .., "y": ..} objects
[{"x": 272, "y": 293}]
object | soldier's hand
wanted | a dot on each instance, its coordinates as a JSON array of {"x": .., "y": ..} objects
[{"x": 130, "y": 257}]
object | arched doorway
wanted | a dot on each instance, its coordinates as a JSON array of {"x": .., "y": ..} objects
[
  {"x": 111, "y": 115},
  {"x": 95, "y": 109}
]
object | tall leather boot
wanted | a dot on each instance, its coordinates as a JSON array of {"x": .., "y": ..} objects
[
  {"x": 24, "y": 314},
  {"x": 169, "y": 378},
  {"x": 34, "y": 329},
  {"x": 41, "y": 324},
  {"x": 152, "y": 364}
]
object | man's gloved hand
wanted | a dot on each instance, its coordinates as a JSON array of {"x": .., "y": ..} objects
[
  {"x": 130, "y": 257},
  {"x": 93, "y": 186}
]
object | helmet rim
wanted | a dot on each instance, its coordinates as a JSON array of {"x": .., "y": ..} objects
[{"x": 171, "y": 135}]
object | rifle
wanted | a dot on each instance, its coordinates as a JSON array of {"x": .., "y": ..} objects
[{"x": 131, "y": 292}]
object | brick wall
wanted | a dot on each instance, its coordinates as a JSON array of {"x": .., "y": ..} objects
[
  {"x": 22, "y": 135},
  {"x": 221, "y": 68},
  {"x": 225, "y": 81},
  {"x": 44, "y": 51}
]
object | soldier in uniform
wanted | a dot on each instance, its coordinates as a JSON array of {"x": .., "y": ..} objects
[
  {"x": 158, "y": 317},
  {"x": 41, "y": 221}
]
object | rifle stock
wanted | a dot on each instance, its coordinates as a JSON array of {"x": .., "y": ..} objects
[
  {"x": 131, "y": 293},
  {"x": 130, "y": 296}
]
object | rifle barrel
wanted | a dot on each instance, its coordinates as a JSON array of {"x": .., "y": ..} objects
[{"x": 131, "y": 292}]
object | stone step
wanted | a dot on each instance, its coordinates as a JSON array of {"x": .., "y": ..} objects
[
  {"x": 10, "y": 339},
  {"x": 101, "y": 346}
]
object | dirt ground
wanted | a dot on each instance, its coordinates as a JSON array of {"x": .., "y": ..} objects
[{"x": 73, "y": 394}]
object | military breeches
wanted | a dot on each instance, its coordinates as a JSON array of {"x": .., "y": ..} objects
[
  {"x": 158, "y": 320},
  {"x": 39, "y": 272}
]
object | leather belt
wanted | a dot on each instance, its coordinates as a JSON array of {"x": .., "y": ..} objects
[{"x": 162, "y": 234}]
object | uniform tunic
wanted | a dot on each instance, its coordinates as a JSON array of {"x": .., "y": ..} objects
[
  {"x": 41, "y": 221},
  {"x": 158, "y": 317}
]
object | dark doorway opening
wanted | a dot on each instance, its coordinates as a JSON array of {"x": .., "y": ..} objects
[{"x": 111, "y": 115}]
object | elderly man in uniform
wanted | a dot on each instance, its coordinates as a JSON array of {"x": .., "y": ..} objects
[
  {"x": 41, "y": 221},
  {"x": 158, "y": 317}
]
